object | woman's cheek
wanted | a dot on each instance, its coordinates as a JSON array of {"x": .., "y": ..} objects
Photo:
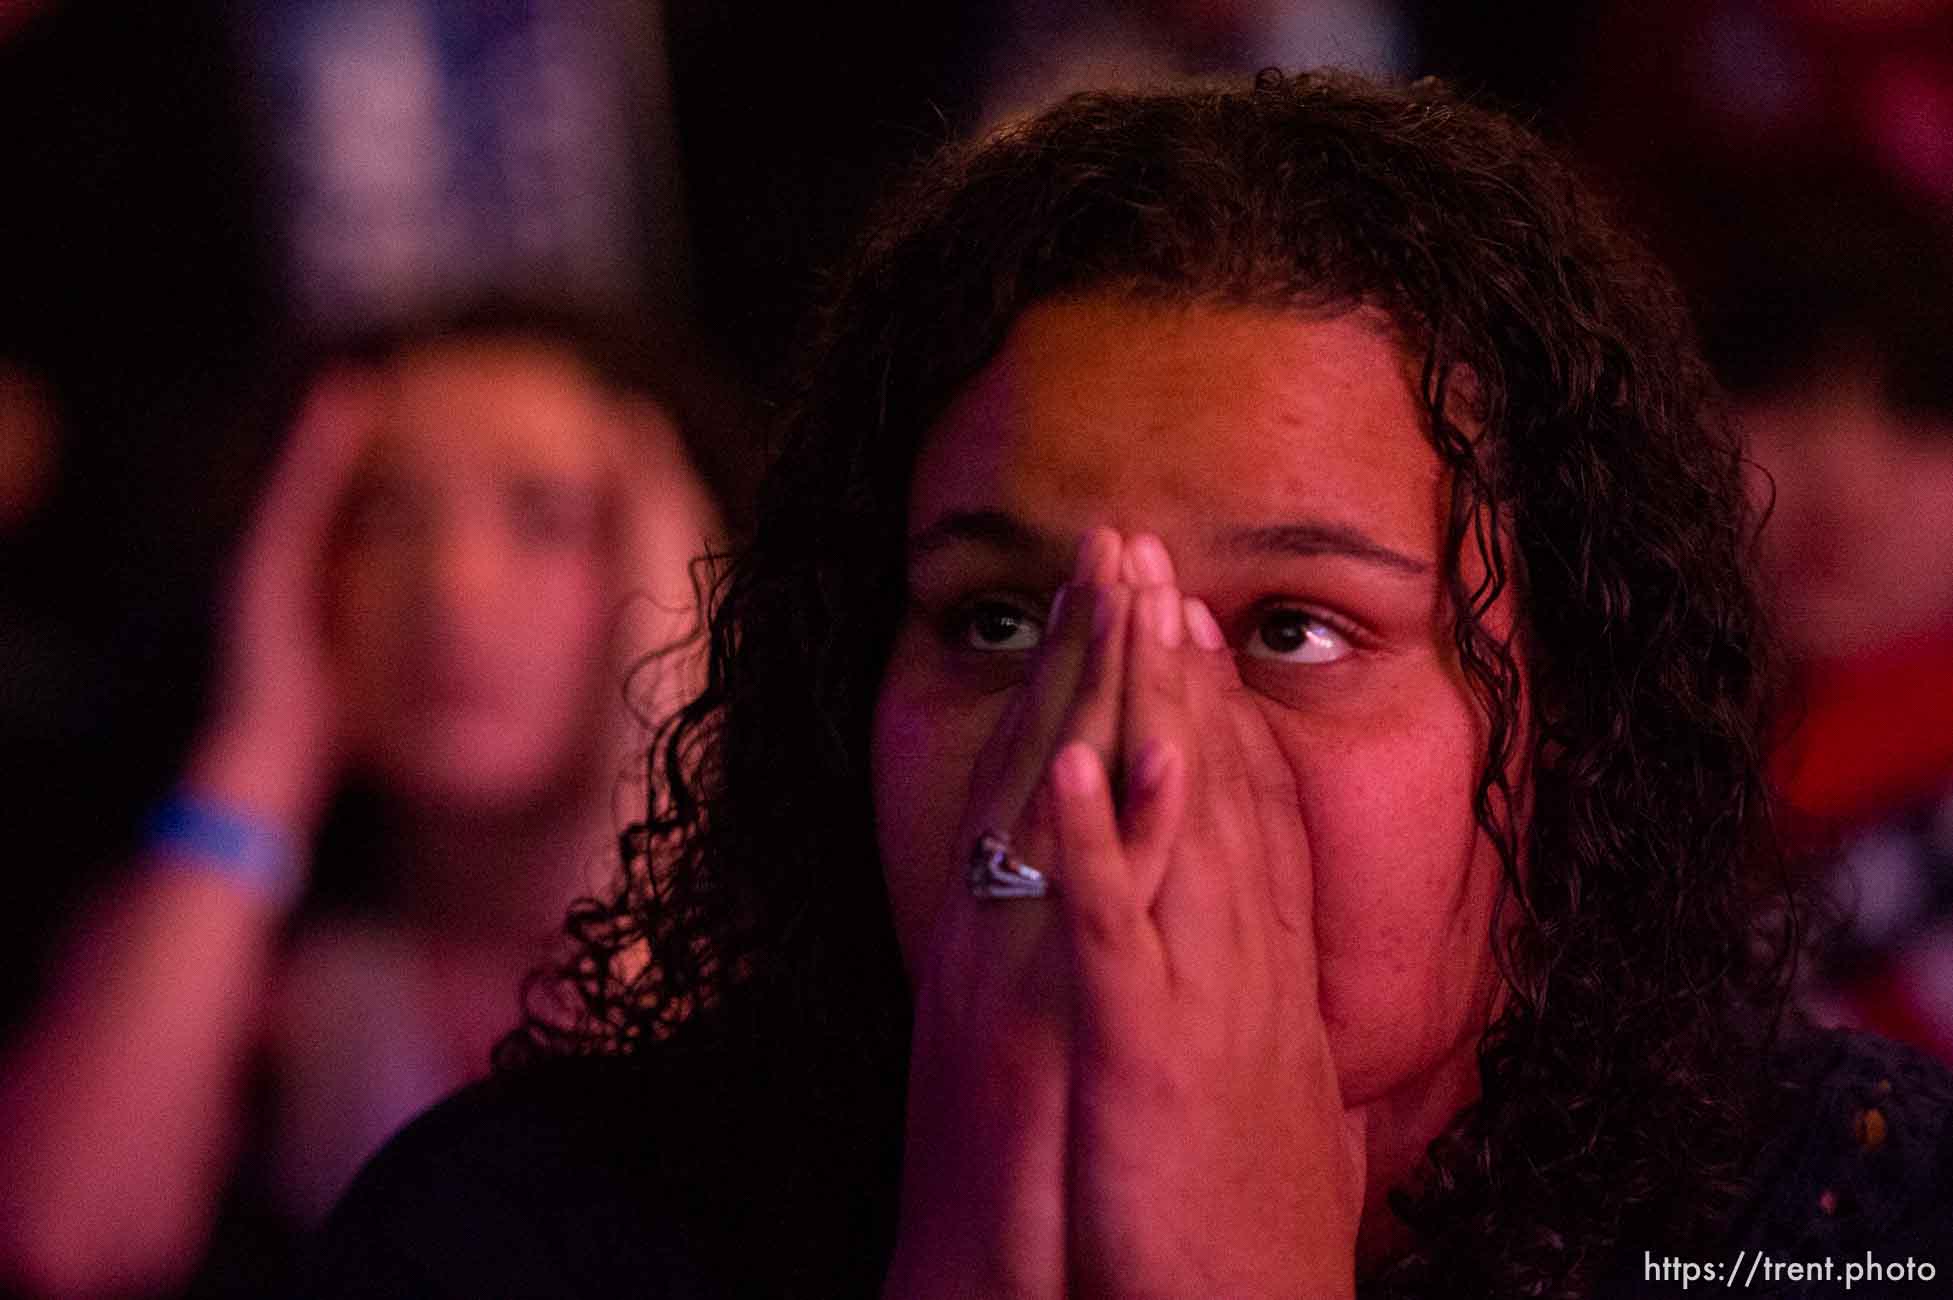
[
  {"x": 1401, "y": 891},
  {"x": 929, "y": 729},
  {"x": 913, "y": 769}
]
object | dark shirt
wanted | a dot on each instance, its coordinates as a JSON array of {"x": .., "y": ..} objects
[
  {"x": 1852, "y": 1194},
  {"x": 544, "y": 1183},
  {"x": 605, "y": 1177}
]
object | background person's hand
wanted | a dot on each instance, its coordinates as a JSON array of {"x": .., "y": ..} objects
[
  {"x": 1210, "y": 1151},
  {"x": 120, "y": 1102},
  {"x": 983, "y": 1196},
  {"x": 271, "y": 743}
]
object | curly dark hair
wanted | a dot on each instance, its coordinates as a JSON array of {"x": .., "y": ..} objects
[{"x": 1590, "y": 470}]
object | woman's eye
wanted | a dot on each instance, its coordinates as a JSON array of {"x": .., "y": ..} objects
[
  {"x": 992, "y": 626},
  {"x": 1298, "y": 637}
]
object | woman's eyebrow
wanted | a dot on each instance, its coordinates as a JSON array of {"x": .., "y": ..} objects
[
  {"x": 1318, "y": 538},
  {"x": 997, "y": 529},
  {"x": 1002, "y": 531}
]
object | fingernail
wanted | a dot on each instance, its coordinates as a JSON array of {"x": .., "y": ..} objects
[
  {"x": 1206, "y": 633},
  {"x": 1163, "y": 617},
  {"x": 1149, "y": 559}
]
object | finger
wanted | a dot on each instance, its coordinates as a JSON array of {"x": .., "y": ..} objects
[
  {"x": 1155, "y": 721},
  {"x": 1099, "y": 891},
  {"x": 980, "y": 950},
  {"x": 1093, "y": 714},
  {"x": 1062, "y": 697},
  {"x": 1156, "y": 799},
  {"x": 1101, "y": 551},
  {"x": 1204, "y": 907},
  {"x": 1012, "y": 762},
  {"x": 1063, "y": 636},
  {"x": 325, "y": 445},
  {"x": 1092, "y": 718},
  {"x": 1147, "y": 562},
  {"x": 989, "y": 1085},
  {"x": 1113, "y": 943},
  {"x": 275, "y": 588}
]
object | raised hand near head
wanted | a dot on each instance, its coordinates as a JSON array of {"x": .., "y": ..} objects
[{"x": 270, "y": 744}]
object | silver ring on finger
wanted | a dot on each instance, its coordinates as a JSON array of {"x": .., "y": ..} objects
[{"x": 997, "y": 873}]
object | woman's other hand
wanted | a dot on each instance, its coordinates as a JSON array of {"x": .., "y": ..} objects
[
  {"x": 1210, "y": 1150},
  {"x": 271, "y": 743},
  {"x": 983, "y": 1195}
]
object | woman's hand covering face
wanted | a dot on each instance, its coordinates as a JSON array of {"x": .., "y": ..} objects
[
  {"x": 1130, "y": 1093},
  {"x": 1273, "y": 901},
  {"x": 988, "y": 1091}
]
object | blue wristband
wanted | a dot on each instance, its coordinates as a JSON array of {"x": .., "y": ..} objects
[{"x": 259, "y": 855}]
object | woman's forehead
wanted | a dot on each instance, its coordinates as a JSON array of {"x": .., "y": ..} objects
[
  {"x": 515, "y": 404},
  {"x": 1188, "y": 420}
]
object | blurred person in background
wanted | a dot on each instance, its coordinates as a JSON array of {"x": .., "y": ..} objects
[
  {"x": 1829, "y": 315},
  {"x": 1793, "y": 160},
  {"x": 421, "y": 725}
]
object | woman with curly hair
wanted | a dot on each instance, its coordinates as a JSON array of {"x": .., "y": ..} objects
[{"x": 1231, "y": 765}]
